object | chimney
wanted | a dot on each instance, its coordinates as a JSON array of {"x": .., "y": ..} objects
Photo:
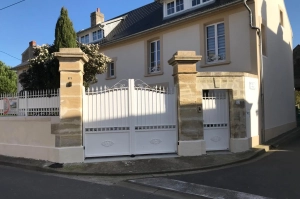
[
  {"x": 32, "y": 43},
  {"x": 96, "y": 17}
]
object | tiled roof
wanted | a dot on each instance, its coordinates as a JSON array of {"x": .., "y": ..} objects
[{"x": 151, "y": 16}]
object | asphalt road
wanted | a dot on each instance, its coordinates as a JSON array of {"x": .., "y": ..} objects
[
  {"x": 21, "y": 184},
  {"x": 276, "y": 175}
]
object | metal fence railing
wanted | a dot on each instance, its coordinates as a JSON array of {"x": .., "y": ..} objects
[{"x": 30, "y": 103}]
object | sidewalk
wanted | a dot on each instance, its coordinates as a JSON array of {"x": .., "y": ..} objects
[{"x": 136, "y": 166}]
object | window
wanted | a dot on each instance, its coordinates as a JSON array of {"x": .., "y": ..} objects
[
  {"x": 97, "y": 35},
  {"x": 196, "y": 2},
  {"x": 170, "y": 8},
  {"x": 215, "y": 44},
  {"x": 199, "y": 2},
  {"x": 281, "y": 18},
  {"x": 94, "y": 36},
  {"x": 100, "y": 34},
  {"x": 263, "y": 38},
  {"x": 154, "y": 57},
  {"x": 86, "y": 39},
  {"x": 111, "y": 70},
  {"x": 179, "y": 5}
]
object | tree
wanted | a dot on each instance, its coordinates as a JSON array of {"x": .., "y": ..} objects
[
  {"x": 43, "y": 69},
  {"x": 8, "y": 79},
  {"x": 65, "y": 35}
]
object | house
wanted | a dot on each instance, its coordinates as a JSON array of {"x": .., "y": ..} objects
[
  {"x": 257, "y": 82},
  {"x": 26, "y": 55},
  {"x": 229, "y": 63},
  {"x": 296, "y": 56}
]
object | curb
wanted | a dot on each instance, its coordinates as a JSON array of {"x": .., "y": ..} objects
[{"x": 257, "y": 153}]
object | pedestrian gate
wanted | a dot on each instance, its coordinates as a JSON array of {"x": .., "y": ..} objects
[
  {"x": 216, "y": 119},
  {"x": 129, "y": 118}
]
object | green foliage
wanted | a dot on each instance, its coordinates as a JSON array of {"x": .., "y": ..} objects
[
  {"x": 43, "y": 71},
  {"x": 97, "y": 63},
  {"x": 8, "y": 79},
  {"x": 65, "y": 35}
]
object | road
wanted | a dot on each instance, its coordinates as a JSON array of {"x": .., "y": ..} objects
[
  {"x": 274, "y": 176},
  {"x": 21, "y": 184}
]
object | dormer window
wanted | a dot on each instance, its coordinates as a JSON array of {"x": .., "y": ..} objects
[
  {"x": 179, "y": 5},
  {"x": 176, "y": 6},
  {"x": 171, "y": 6},
  {"x": 97, "y": 35},
  {"x": 85, "y": 39}
]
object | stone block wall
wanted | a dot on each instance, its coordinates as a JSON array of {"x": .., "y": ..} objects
[{"x": 234, "y": 82}]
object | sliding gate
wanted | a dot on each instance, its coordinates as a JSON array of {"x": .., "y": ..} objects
[{"x": 129, "y": 118}]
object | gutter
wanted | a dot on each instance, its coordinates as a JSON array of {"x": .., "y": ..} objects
[
  {"x": 170, "y": 23},
  {"x": 258, "y": 30}
]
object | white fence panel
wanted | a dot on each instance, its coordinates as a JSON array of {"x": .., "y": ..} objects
[
  {"x": 31, "y": 103},
  {"x": 130, "y": 118},
  {"x": 216, "y": 119}
]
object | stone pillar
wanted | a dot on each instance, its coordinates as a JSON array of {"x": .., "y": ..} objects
[
  {"x": 69, "y": 131},
  {"x": 190, "y": 124}
]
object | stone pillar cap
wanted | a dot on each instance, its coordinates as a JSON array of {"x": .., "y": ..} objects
[
  {"x": 71, "y": 53},
  {"x": 185, "y": 57}
]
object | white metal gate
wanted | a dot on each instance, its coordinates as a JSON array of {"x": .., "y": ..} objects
[
  {"x": 129, "y": 118},
  {"x": 216, "y": 119}
]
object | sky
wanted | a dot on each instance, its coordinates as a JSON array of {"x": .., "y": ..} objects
[{"x": 35, "y": 20}]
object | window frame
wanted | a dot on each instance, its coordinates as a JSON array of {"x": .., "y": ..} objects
[
  {"x": 87, "y": 38},
  {"x": 215, "y": 25},
  {"x": 100, "y": 34},
  {"x": 94, "y": 36},
  {"x": 108, "y": 72},
  {"x": 82, "y": 39},
  {"x": 179, "y": 5},
  {"x": 156, "y": 60},
  {"x": 175, "y": 7},
  {"x": 111, "y": 68}
]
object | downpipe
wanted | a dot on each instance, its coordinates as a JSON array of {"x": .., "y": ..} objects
[{"x": 258, "y": 30}]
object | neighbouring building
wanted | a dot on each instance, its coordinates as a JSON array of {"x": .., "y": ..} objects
[
  {"x": 296, "y": 56},
  {"x": 26, "y": 55}
]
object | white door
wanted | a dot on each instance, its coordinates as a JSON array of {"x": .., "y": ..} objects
[{"x": 216, "y": 119}]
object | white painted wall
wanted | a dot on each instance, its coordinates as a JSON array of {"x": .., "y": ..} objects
[
  {"x": 239, "y": 41},
  {"x": 131, "y": 56},
  {"x": 252, "y": 112},
  {"x": 278, "y": 67}
]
